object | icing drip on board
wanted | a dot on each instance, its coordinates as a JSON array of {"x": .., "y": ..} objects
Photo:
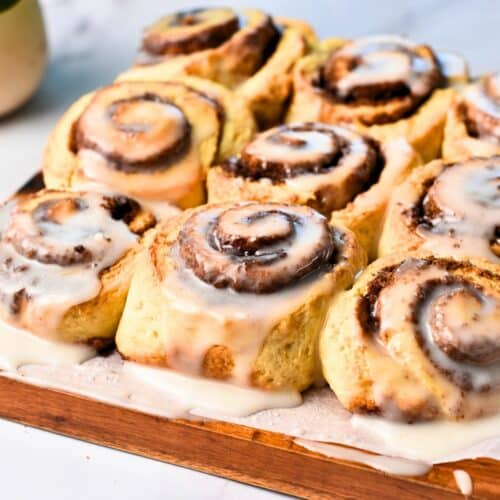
[
  {"x": 19, "y": 348},
  {"x": 318, "y": 420},
  {"x": 201, "y": 394},
  {"x": 464, "y": 482},
  {"x": 390, "y": 465}
]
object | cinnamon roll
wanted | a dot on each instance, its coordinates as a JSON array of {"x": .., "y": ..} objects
[
  {"x": 238, "y": 292},
  {"x": 65, "y": 263},
  {"x": 385, "y": 85},
  {"x": 148, "y": 140},
  {"x": 447, "y": 209},
  {"x": 330, "y": 168},
  {"x": 252, "y": 54},
  {"x": 473, "y": 122},
  {"x": 417, "y": 338}
]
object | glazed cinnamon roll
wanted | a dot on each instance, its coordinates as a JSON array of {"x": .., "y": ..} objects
[
  {"x": 330, "y": 168},
  {"x": 417, "y": 338},
  {"x": 148, "y": 140},
  {"x": 447, "y": 209},
  {"x": 252, "y": 53},
  {"x": 473, "y": 122},
  {"x": 387, "y": 86},
  {"x": 238, "y": 292},
  {"x": 65, "y": 263}
]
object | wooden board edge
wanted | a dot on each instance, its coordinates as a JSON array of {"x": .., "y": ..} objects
[
  {"x": 83, "y": 418},
  {"x": 260, "y": 458}
]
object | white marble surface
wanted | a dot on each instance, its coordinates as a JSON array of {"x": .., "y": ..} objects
[{"x": 92, "y": 40}]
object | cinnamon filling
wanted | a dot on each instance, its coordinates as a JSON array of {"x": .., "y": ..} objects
[
  {"x": 54, "y": 246},
  {"x": 190, "y": 31},
  {"x": 134, "y": 133},
  {"x": 259, "y": 45},
  {"x": 196, "y": 30},
  {"x": 463, "y": 204},
  {"x": 481, "y": 109},
  {"x": 257, "y": 248},
  {"x": 381, "y": 78},
  {"x": 455, "y": 320},
  {"x": 464, "y": 328},
  {"x": 292, "y": 151},
  {"x": 34, "y": 230}
]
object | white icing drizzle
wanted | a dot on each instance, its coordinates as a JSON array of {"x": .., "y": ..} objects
[
  {"x": 19, "y": 347},
  {"x": 153, "y": 124},
  {"x": 314, "y": 143},
  {"x": 150, "y": 185},
  {"x": 476, "y": 95},
  {"x": 339, "y": 175},
  {"x": 432, "y": 442},
  {"x": 201, "y": 394},
  {"x": 161, "y": 209},
  {"x": 390, "y": 465},
  {"x": 319, "y": 418},
  {"x": 464, "y": 482},
  {"x": 52, "y": 288},
  {"x": 240, "y": 321},
  {"x": 384, "y": 58},
  {"x": 469, "y": 198},
  {"x": 489, "y": 315},
  {"x": 199, "y": 315},
  {"x": 300, "y": 240},
  {"x": 397, "y": 299},
  {"x": 118, "y": 113}
]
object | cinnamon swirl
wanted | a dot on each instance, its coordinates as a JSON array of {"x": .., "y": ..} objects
[
  {"x": 323, "y": 166},
  {"x": 152, "y": 141},
  {"x": 447, "y": 209},
  {"x": 418, "y": 337},
  {"x": 473, "y": 122},
  {"x": 385, "y": 85},
  {"x": 252, "y": 54},
  {"x": 65, "y": 263},
  {"x": 238, "y": 292}
]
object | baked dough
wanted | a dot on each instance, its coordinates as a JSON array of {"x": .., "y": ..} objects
[
  {"x": 255, "y": 60},
  {"x": 416, "y": 338},
  {"x": 371, "y": 82},
  {"x": 447, "y": 209},
  {"x": 67, "y": 259},
  {"x": 229, "y": 291},
  {"x": 179, "y": 129}
]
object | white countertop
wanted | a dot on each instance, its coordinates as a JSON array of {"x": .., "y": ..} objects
[{"x": 91, "y": 41}]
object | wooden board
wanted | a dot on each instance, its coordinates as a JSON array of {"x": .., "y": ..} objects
[{"x": 260, "y": 458}]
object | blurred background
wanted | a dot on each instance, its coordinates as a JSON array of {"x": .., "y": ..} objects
[{"x": 90, "y": 41}]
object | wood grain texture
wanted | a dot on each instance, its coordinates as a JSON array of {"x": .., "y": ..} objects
[{"x": 260, "y": 458}]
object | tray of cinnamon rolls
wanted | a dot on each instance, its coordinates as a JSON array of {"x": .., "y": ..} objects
[{"x": 253, "y": 219}]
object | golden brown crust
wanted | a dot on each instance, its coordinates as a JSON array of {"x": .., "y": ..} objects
[
  {"x": 458, "y": 143},
  {"x": 286, "y": 357},
  {"x": 423, "y": 128},
  {"x": 436, "y": 211},
  {"x": 218, "y": 122},
  {"x": 311, "y": 164},
  {"x": 381, "y": 100},
  {"x": 92, "y": 322},
  {"x": 393, "y": 369},
  {"x": 256, "y": 62},
  {"x": 189, "y": 31},
  {"x": 363, "y": 214}
]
